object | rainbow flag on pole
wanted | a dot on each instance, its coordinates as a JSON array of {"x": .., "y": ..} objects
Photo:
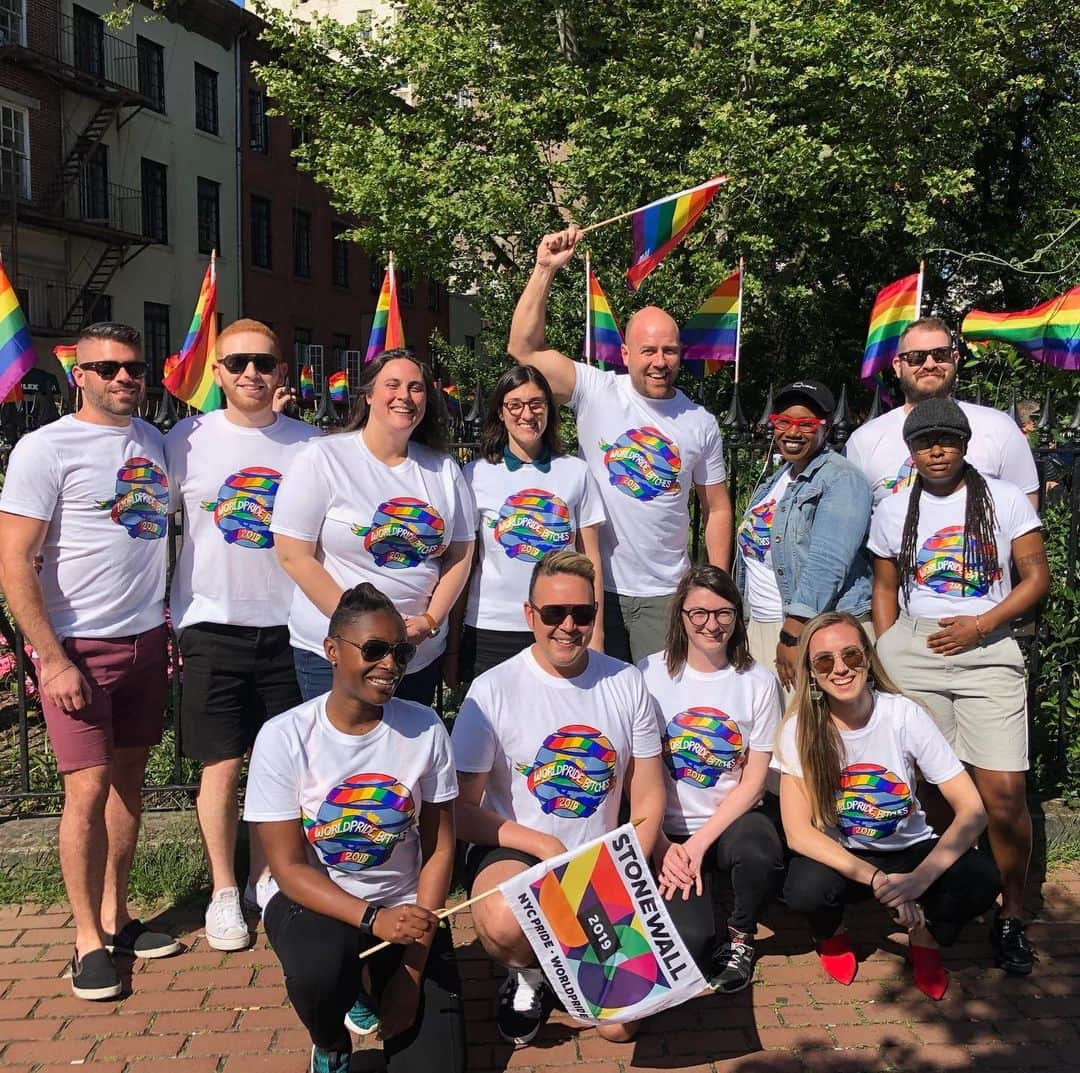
[
  {"x": 17, "y": 355},
  {"x": 452, "y": 398},
  {"x": 307, "y": 383},
  {"x": 660, "y": 226},
  {"x": 1048, "y": 332},
  {"x": 65, "y": 354},
  {"x": 386, "y": 330},
  {"x": 603, "y": 340},
  {"x": 711, "y": 335},
  {"x": 895, "y": 307},
  {"x": 338, "y": 383},
  {"x": 190, "y": 377}
]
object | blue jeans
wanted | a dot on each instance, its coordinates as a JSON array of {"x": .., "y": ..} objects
[{"x": 315, "y": 676}]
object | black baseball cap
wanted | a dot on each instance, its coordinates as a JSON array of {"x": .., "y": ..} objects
[
  {"x": 812, "y": 393},
  {"x": 936, "y": 415}
]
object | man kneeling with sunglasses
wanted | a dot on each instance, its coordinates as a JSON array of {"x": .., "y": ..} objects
[{"x": 545, "y": 746}]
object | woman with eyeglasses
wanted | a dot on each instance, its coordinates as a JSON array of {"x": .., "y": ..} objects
[
  {"x": 800, "y": 548},
  {"x": 531, "y": 499},
  {"x": 850, "y": 749},
  {"x": 718, "y": 711},
  {"x": 381, "y": 501},
  {"x": 352, "y": 795},
  {"x": 945, "y": 550}
]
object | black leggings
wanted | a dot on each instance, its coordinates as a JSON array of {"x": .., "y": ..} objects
[
  {"x": 965, "y": 889},
  {"x": 750, "y": 852},
  {"x": 322, "y": 976}
]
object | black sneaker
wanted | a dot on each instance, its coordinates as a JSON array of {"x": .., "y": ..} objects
[
  {"x": 137, "y": 939},
  {"x": 521, "y": 1006},
  {"x": 1015, "y": 954},
  {"x": 733, "y": 964},
  {"x": 94, "y": 976}
]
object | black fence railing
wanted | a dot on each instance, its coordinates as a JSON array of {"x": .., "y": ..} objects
[{"x": 87, "y": 46}]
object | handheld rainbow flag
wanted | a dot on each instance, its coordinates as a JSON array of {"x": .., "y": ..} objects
[
  {"x": 190, "y": 377},
  {"x": 712, "y": 334},
  {"x": 895, "y": 307},
  {"x": 307, "y": 384},
  {"x": 452, "y": 398},
  {"x": 17, "y": 355},
  {"x": 1048, "y": 332},
  {"x": 65, "y": 354},
  {"x": 603, "y": 340},
  {"x": 661, "y": 225},
  {"x": 386, "y": 330},
  {"x": 338, "y": 382}
]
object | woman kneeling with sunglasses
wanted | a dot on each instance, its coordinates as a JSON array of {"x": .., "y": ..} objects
[
  {"x": 352, "y": 798},
  {"x": 850, "y": 750}
]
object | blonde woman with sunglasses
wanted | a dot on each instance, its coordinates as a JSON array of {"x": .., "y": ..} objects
[{"x": 850, "y": 750}]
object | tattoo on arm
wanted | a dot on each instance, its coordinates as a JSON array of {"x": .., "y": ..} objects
[{"x": 1037, "y": 559}]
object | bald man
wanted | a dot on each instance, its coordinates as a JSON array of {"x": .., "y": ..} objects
[{"x": 645, "y": 443}]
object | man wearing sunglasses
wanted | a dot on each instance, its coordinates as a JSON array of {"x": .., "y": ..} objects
[
  {"x": 230, "y": 597},
  {"x": 90, "y": 495},
  {"x": 925, "y": 365},
  {"x": 647, "y": 446},
  {"x": 546, "y": 744}
]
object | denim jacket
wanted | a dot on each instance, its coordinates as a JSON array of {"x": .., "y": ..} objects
[{"x": 819, "y": 531}]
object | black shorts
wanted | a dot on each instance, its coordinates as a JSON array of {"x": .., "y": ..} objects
[
  {"x": 483, "y": 649},
  {"x": 234, "y": 679},
  {"x": 479, "y": 857}
]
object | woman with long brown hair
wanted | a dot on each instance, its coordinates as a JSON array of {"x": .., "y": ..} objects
[{"x": 850, "y": 750}]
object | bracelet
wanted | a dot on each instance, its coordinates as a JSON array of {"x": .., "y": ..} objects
[
  {"x": 66, "y": 667},
  {"x": 874, "y": 876},
  {"x": 433, "y": 626},
  {"x": 978, "y": 628}
]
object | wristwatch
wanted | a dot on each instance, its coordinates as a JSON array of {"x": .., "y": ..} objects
[
  {"x": 788, "y": 639},
  {"x": 367, "y": 921},
  {"x": 433, "y": 626}
]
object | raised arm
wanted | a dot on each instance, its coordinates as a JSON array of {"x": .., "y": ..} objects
[{"x": 528, "y": 329}]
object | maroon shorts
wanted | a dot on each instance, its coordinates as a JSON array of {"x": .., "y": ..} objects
[{"x": 128, "y": 679}]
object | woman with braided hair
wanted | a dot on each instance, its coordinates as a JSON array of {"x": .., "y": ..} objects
[{"x": 943, "y": 602}]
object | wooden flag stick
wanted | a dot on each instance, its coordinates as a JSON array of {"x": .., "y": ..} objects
[{"x": 609, "y": 220}]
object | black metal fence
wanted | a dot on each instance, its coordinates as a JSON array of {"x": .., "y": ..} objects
[{"x": 28, "y": 785}]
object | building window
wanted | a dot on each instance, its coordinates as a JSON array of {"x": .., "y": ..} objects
[
  {"x": 89, "y": 33},
  {"x": 99, "y": 308},
  {"x": 339, "y": 257},
  {"x": 405, "y": 286},
  {"x": 301, "y": 341},
  {"x": 434, "y": 296},
  {"x": 339, "y": 344},
  {"x": 155, "y": 339},
  {"x": 209, "y": 214},
  {"x": 206, "y": 101},
  {"x": 375, "y": 275},
  {"x": 12, "y": 22},
  {"x": 260, "y": 232},
  {"x": 301, "y": 231},
  {"x": 14, "y": 151},
  {"x": 301, "y": 135},
  {"x": 470, "y": 343},
  {"x": 155, "y": 200},
  {"x": 258, "y": 122},
  {"x": 152, "y": 72},
  {"x": 94, "y": 185}
]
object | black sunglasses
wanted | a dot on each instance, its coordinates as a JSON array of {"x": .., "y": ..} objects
[
  {"x": 375, "y": 650},
  {"x": 237, "y": 363},
  {"x": 943, "y": 355},
  {"x": 107, "y": 370},
  {"x": 553, "y": 614}
]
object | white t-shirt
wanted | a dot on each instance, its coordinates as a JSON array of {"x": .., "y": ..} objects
[
  {"x": 645, "y": 455},
  {"x": 384, "y": 524},
  {"x": 754, "y": 541},
  {"x": 358, "y": 796},
  {"x": 556, "y": 749},
  {"x": 520, "y": 517},
  {"x": 709, "y": 723},
  {"x": 997, "y": 449},
  {"x": 105, "y": 494},
  {"x": 876, "y": 803},
  {"x": 939, "y": 587},
  {"x": 228, "y": 477}
]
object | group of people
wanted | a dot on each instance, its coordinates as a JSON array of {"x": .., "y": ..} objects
[{"x": 831, "y": 708}]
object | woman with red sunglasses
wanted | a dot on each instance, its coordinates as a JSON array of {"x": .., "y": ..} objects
[
  {"x": 800, "y": 548},
  {"x": 850, "y": 749}
]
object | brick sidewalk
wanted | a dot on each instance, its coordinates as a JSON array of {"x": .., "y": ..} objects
[{"x": 207, "y": 1012}]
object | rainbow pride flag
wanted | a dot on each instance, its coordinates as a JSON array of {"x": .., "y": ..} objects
[
  {"x": 895, "y": 307},
  {"x": 452, "y": 398},
  {"x": 307, "y": 384},
  {"x": 191, "y": 378},
  {"x": 65, "y": 354},
  {"x": 661, "y": 225},
  {"x": 603, "y": 340},
  {"x": 338, "y": 383},
  {"x": 386, "y": 330},
  {"x": 17, "y": 355},
  {"x": 1048, "y": 332},
  {"x": 711, "y": 335}
]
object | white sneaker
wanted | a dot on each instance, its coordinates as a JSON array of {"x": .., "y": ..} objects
[
  {"x": 255, "y": 894},
  {"x": 226, "y": 928}
]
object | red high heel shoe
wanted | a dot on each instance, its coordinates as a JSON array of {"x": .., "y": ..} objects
[
  {"x": 930, "y": 975},
  {"x": 837, "y": 958}
]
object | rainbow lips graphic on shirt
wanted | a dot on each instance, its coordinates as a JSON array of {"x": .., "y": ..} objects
[
  {"x": 904, "y": 478},
  {"x": 573, "y": 772},
  {"x": 701, "y": 744},
  {"x": 403, "y": 533},
  {"x": 531, "y": 523},
  {"x": 643, "y": 463},
  {"x": 141, "y": 503},
  {"x": 940, "y": 564},
  {"x": 872, "y": 802},
  {"x": 755, "y": 532},
  {"x": 360, "y": 822},
  {"x": 245, "y": 507}
]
